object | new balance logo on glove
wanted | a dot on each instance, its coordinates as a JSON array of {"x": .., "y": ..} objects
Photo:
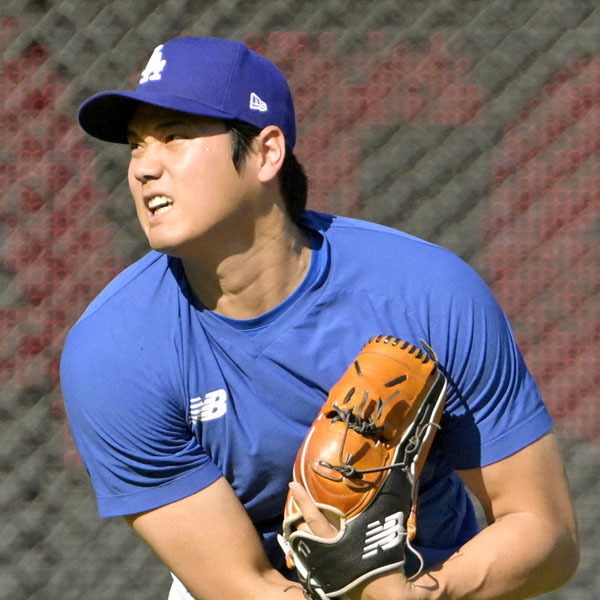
[{"x": 383, "y": 537}]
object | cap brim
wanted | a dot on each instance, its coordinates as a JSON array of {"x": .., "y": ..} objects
[{"x": 106, "y": 115}]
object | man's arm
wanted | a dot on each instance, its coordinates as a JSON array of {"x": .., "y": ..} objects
[
  {"x": 530, "y": 546},
  {"x": 209, "y": 542}
]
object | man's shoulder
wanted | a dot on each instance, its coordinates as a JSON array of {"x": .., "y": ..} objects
[
  {"x": 136, "y": 281},
  {"x": 134, "y": 313},
  {"x": 373, "y": 243},
  {"x": 142, "y": 298},
  {"x": 368, "y": 231}
]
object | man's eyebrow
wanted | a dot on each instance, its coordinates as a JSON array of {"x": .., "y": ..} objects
[
  {"x": 172, "y": 122},
  {"x": 161, "y": 124},
  {"x": 130, "y": 133}
]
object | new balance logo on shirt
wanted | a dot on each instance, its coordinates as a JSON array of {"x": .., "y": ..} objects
[
  {"x": 212, "y": 406},
  {"x": 383, "y": 537}
]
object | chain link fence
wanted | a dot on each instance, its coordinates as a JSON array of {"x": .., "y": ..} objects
[{"x": 474, "y": 124}]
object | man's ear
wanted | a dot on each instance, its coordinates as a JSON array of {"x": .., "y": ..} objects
[{"x": 271, "y": 147}]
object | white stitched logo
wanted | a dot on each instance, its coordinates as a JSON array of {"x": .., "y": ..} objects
[
  {"x": 155, "y": 66},
  {"x": 257, "y": 104},
  {"x": 303, "y": 548},
  {"x": 213, "y": 406},
  {"x": 384, "y": 536}
]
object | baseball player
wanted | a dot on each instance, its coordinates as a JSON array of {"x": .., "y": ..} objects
[{"x": 191, "y": 381}]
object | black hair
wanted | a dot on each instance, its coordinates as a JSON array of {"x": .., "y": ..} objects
[{"x": 293, "y": 182}]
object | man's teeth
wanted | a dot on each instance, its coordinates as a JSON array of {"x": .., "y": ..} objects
[{"x": 159, "y": 203}]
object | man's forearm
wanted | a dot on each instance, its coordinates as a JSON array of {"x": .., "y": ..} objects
[{"x": 519, "y": 556}]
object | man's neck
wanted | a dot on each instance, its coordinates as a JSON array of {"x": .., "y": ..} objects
[{"x": 248, "y": 284}]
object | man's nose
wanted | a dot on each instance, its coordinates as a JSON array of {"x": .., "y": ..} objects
[{"x": 148, "y": 165}]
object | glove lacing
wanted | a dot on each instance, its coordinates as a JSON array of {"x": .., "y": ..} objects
[{"x": 367, "y": 427}]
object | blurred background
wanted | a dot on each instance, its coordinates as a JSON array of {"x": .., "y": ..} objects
[{"x": 473, "y": 124}]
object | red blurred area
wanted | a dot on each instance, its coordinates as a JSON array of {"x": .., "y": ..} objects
[
  {"x": 539, "y": 251},
  {"x": 541, "y": 247},
  {"x": 341, "y": 96},
  {"x": 55, "y": 244}
]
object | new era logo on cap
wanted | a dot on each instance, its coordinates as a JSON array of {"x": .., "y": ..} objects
[{"x": 257, "y": 104}]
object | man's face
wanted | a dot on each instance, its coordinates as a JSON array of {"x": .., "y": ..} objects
[{"x": 187, "y": 193}]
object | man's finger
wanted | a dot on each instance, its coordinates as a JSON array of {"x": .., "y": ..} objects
[{"x": 314, "y": 519}]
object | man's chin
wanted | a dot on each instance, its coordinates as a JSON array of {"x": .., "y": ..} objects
[
  {"x": 165, "y": 248},
  {"x": 175, "y": 250}
]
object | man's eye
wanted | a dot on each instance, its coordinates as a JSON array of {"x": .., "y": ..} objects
[{"x": 171, "y": 137}]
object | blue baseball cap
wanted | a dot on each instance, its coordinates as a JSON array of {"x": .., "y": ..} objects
[{"x": 210, "y": 77}]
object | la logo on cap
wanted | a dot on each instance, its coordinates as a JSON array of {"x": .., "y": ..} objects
[{"x": 155, "y": 66}]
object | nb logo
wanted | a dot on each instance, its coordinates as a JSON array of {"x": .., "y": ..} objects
[
  {"x": 155, "y": 66},
  {"x": 383, "y": 537},
  {"x": 257, "y": 104},
  {"x": 212, "y": 406}
]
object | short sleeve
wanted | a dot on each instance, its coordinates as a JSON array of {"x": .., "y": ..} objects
[
  {"x": 494, "y": 406},
  {"x": 127, "y": 419}
]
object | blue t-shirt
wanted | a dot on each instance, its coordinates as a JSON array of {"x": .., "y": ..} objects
[{"x": 164, "y": 396}]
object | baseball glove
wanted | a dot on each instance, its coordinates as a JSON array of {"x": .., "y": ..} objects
[{"x": 360, "y": 463}]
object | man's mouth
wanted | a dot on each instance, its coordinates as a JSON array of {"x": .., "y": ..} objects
[{"x": 159, "y": 204}]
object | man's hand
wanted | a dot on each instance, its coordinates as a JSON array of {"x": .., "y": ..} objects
[
  {"x": 360, "y": 463},
  {"x": 314, "y": 520},
  {"x": 390, "y": 586},
  {"x": 532, "y": 535}
]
